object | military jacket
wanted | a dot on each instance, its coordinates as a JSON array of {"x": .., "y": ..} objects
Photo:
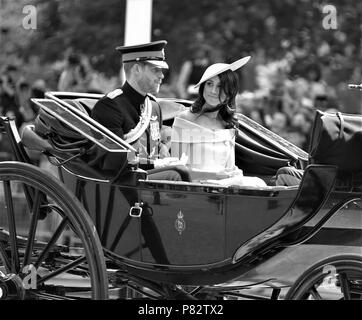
[{"x": 120, "y": 112}]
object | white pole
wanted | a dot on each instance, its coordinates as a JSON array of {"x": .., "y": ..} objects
[
  {"x": 138, "y": 26},
  {"x": 138, "y": 22}
]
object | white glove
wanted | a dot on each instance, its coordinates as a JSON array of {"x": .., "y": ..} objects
[{"x": 170, "y": 161}]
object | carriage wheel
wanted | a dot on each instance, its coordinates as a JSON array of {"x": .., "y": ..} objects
[
  {"x": 49, "y": 248},
  {"x": 338, "y": 277}
]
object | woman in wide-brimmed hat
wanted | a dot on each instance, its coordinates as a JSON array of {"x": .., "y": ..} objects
[
  {"x": 215, "y": 105},
  {"x": 206, "y": 132}
]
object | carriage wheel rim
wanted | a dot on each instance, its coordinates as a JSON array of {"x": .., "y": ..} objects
[
  {"x": 37, "y": 178},
  {"x": 347, "y": 277}
]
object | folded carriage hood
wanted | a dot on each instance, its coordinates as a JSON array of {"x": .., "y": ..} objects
[{"x": 261, "y": 151}]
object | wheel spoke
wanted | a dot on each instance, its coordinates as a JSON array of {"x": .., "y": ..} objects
[
  {"x": 4, "y": 258},
  {"x": 15, "y": 265},
  {"x": 65, "y": 268},
  {"x": 32, "y": 228},
  {"x": 345, "y": 286},
  {"x": 29, "y": 194},
  {"x": 51, "y": 242},
  {"x": 315, "y": 294}
]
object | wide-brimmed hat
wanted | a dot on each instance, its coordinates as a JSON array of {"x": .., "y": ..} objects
[
  {"x": 217, "y": 68},
  {"x": 152, "y": 52}
]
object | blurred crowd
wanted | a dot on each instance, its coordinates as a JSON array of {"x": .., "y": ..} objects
[
  {"x": 73, "y": 74},
  {"x": 15, "y": 101},
  {"x": 280, "y": 93},
  {"x": 285, "y": 100}
]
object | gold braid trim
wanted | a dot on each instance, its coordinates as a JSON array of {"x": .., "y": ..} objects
[{"x": 135, "y": 133}]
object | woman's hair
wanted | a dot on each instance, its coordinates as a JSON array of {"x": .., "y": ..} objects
[{"x": 229, "y": 84}]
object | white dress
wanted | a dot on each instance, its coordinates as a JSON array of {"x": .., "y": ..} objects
[{"x": 211, "y": 154}]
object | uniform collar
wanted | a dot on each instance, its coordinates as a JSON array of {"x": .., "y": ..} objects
[{"x": 134, "y": 96}]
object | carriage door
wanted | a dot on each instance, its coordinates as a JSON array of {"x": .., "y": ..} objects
[{"x": 181, "y": 225}]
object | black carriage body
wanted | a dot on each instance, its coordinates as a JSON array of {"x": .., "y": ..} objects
[
  {"x": 180, "y": 224},
  {"x": 195, "y": 234}
]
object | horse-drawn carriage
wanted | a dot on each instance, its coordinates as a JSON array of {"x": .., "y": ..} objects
[{"x": 84, "y": 233}]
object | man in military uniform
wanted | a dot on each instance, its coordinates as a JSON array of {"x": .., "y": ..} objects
[{"x": 122, "y": 110}]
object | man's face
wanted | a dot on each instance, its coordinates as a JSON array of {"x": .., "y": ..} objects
[{"x": 150, "y": 78}]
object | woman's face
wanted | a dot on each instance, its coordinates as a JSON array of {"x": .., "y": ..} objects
[{"x": 211, "y": 92}]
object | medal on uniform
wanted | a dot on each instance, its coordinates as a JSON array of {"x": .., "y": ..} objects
[{"x": 155, "y": 129}]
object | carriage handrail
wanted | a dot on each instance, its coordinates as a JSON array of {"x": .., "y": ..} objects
[
  {"x": 84, "y": 125},
  {"x": 52, "y": 94}
]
